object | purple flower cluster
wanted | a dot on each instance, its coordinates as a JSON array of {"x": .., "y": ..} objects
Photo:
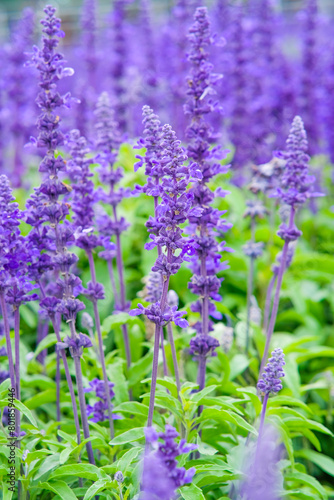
[
  {"x": 161, "y": 474},
  {"x": 100, "y": 409},
  {"x": 205, "y": 221},
  {"x": 296, "y": 183},
  {"x": 270, "y": 382}
]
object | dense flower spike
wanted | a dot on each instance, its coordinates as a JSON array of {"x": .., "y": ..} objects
[
  {"x": 296, "y": 183},
  {"x": 52, "y": 210},
  {"x": 161, "y": 474},
  {"x": 296, "y": 187},
  {"x": 205, "y": 221},
  {"x": 270, "y": 382},
  {"x": 99, "y": 410}
]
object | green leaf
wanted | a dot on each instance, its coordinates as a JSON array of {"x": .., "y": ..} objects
[
  {"x": 127, "y": 458},
  {"x": 48, "y": 341},
  {"x": 48, "y": 396},
  {"x": 128, "y": 436},
  {"x": 119, "y": 319},
  {"x": 224, "y": 416},
  {"x": 60, "y": 488},
  {"x": 287, "y": 400},
  {"x": 140, "y": 369},
  {"x": 322, "y": 461},
  {"x": 87, "y": 471},
  {"x": 198, "y": 396},
  {"x": 238, "y": 365},
  {"x": 47, "y": 465},
  {"x": 191, "y": 492},
  {"x": 96, "y": 487},
  {"x": 302, "y": 478},
  {"x": 23, "y": 409}
]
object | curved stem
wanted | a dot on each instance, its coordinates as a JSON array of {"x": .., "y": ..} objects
[
  {"x": 157, "y": 336},
  {"x": 8, "y": 342},
  {"x": 277, "y": 293},
  {"x": 250, "y": 287},
  {"x": 174, "y": 357},
  {"x": 263, "y": 414},
  {"x": 100, "y": 343},
  {"x": 268, "y": 302},
  {"x": 112, "y": 280},
  {"x": 17, "y": 369},
  {"x": 164, "y": 360},
  {"x": 81, "y": 395},
  {"x": 58, "y": 391}
]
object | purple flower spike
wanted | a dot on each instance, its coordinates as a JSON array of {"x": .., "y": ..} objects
[
  {"x": 296, "y": 183},
  {"x": 99, "y": 410},
  {"x": 205, "y": 221},
  {"x": 161, "y": 475},
  {"x": 270, "y": 382}
]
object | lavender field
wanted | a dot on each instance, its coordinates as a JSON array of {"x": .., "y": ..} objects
[{"x": 166, "y": 252}]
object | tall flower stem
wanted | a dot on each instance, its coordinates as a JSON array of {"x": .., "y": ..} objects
[
  {"x": 56, "y": 327},
  {"x": 8, "y": 343},
  {"x": 263, "y": 414},
  {"x": 157, "y": 336},
  {"x": 250, "y": 285},
  {"x": 17, "y": 368},
  {"x": 174, "y": 358},
  {"x": 120, "y": 269},
  {"x": 277, "y": 292},
  {"x": 268, "y": 302},
  {"x": 112, "y": 280},
  {"x": 69, "y": 382},
  {"x": 100, "y": 342},
  {"x": 81, "y": 395},
  {"x": 58, "y": 391}
]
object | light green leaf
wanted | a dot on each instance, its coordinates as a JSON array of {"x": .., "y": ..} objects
[
  {"x": 87, "y": 471},
  {"x": 127, "y": 437},
  {"x": 60, "y": 488},
  {"x": 96, "y": 487},
  {"x": 48, "y": 341},
  {"x": 325, "y": 463},
  {"x": 302, "y": 478},
  {"x": 48, "y": 396},
  {"x": 191, "y": 492}
]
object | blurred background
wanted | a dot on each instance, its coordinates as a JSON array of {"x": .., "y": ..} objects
[{"x": 69, "y": 10}]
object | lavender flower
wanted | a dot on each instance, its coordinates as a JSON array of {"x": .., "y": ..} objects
[
  {"x": 49, "y": 208},
  {"x": 100, "y": 409},
  {"x": 295, "y": 189},
  {"x": 161, "y": 475},
  {"x": 205, "y": 222},
  {"x": 166, "y": 163},
  {"x": 270, "y": 382}
]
